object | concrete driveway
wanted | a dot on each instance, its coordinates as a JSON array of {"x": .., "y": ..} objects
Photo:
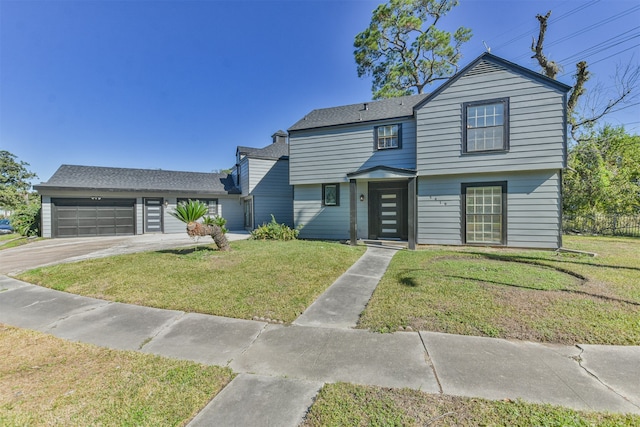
[{"x": 56, "y": 251}]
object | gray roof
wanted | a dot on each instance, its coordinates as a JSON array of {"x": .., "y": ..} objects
[
  {"x": 390, "y": 108},
  {"x": 74, "y": 177},
  {"x": 274, "y": 151}
]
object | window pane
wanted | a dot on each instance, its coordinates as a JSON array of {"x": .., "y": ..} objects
[
  {"x": 485, "y": 127},
  {"x": 387, "y": 136},
  {"x": 484, "y": 214},
  {"x": 330, "y": 195}
]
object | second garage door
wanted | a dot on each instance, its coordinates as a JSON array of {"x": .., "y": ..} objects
[{"x": 93, "y": 217}]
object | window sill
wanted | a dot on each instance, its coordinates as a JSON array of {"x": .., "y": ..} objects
[{"x": 471, "y": 153}]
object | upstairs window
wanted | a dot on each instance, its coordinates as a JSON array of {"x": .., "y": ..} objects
[
  {"x": 388, "y": 136},
  {"x": 486, "y": 126}
]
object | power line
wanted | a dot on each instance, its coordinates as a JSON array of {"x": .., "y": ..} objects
[
  {"x": 552, "y": 20},
  {"x": 589, "y": 28},
  {"x": 605, "y": 45},
  {"x": 605, "y": 58}
]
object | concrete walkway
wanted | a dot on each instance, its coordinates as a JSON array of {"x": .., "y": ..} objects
[{"x": 282, "y": 367}]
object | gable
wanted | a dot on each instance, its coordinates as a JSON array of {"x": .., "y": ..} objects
[{"x": 488, "y": 63}]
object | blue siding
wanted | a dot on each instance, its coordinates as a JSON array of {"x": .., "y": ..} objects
[
  {"x": 536, "y": 120},
  {"x": 327, "y": 155},
  {"x": 533, "y": 208}
]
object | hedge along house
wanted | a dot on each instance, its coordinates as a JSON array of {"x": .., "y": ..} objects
[
  {"x": 80, "y": 201},
  {"x": 478, "y": 161}
]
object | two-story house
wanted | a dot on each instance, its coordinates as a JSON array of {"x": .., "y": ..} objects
[{"x": 478, "y": 161}]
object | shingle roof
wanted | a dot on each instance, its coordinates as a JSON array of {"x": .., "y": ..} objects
[
  {"x": 363, "y": 112},
  {"x": 124, "y": 179},
  {"x": 272, "y": 151}
]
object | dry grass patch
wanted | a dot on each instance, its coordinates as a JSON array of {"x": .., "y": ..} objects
[
  {"x": 352, "y": 405},
  {"x": 49, "y": 381},
  {"x": 532, "y": 295}
]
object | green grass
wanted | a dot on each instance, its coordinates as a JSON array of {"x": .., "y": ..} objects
[
  {"x": 12, "y": 240},
  {"x": 520, "y": 294},
  {"x": 271, "y": 279},
  {"x": 352, "y": 405},
  {"x": 49, "y": 381}
]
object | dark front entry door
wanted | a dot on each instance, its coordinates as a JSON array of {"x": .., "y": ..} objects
[
  {"x": 388, "y": 210},
  {"x": 153, "y": 216}
]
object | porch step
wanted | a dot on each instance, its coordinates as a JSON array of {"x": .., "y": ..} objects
[{"x": 392, "y": 244}]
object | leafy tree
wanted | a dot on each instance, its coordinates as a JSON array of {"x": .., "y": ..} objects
[
  {"x": 404, "y": 51},
  {"x": 14, "y": 181},
  {"x": 190, "y": 213},
  {"x": 603, "y": 174}
]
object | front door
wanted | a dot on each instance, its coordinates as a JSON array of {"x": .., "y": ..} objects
[
  {"x": 388, "y": 210},
  {"x": 248, "y": 214},
  {"x": 153, "y": 216}
]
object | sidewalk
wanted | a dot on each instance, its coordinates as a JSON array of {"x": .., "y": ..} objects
[{"x": 282, "y": 367}]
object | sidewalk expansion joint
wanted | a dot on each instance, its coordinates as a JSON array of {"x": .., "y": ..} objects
[
  {"x": 430, "y": 363},
  {"x": 578, "y": 359},
  {"x": 248, "y": 346},
  {"x": 166, "y": 325}
]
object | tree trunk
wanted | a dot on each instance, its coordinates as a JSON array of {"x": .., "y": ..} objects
[{"x": 196, "y": 229}]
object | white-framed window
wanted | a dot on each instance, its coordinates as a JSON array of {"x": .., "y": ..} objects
[
  {"x": 486, "y": 126},
  {"x": 484, "y": 207},
  {"x": 330, "y": 194},
  {"x": 388, "y": 136}
]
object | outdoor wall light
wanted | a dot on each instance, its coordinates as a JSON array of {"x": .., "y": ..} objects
[
  {"x": 362, "y": 197},
  {"x": 166, "y": 203}
]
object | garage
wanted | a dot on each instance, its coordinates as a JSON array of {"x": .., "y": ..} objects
[{"x": 93, "y": 217}]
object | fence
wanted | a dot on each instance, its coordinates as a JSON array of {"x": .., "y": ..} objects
[{"x": 607, "y": 225}]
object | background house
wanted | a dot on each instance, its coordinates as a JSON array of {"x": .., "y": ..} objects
[
  {"x": 478, "y": 161},
  {"x": 262, "y": 175},
  {"x": 82, "y": 201}
]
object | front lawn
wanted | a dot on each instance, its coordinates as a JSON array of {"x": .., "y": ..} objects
[
  {"x": 48, "y": 381},
  {"x": 269, "y": 279},
  {"x": 353, "y": 405},
  {"x": 520, "y": 294}
]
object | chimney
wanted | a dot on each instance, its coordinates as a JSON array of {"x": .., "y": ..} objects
[{"x": 280, "y": 136}]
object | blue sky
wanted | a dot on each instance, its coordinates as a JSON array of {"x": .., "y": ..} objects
[{"x": 177, "y": 85}]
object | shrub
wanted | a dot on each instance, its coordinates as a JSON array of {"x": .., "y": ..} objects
[
  {"x": 216, "y": 220},
  {"x": 189, "y": 212},
  {"x": 25, "y": 219},
  {"x": 275, "y": 231}
]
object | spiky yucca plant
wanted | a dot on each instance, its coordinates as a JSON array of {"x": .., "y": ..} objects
[{"x": 189, "y": 213}]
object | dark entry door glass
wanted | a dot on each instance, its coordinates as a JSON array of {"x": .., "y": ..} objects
[
  {"x": 388, "y": 211},
  {"x": 390, "y": 218},
  {"x": 153, "y": 215}
]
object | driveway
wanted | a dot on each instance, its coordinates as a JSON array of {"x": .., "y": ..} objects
[{"x": 56, "y": 251}]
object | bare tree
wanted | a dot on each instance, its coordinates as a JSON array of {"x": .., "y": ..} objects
[{"x": 585, "y": 111}]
